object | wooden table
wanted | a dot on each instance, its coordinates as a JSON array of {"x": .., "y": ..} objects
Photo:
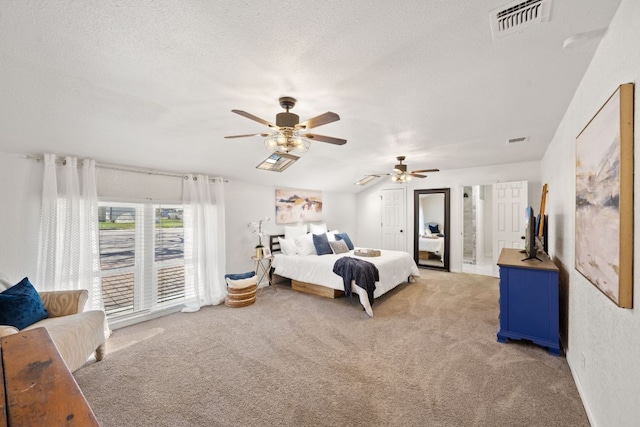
[{"x": 38, "y": 388}]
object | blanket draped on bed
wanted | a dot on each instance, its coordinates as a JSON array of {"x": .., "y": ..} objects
[{"x": 363, "y": 272}]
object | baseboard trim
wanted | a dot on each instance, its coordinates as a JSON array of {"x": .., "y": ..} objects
[
  {"x": 576, "y": 380},
  {"x": 124, "y": 321}
]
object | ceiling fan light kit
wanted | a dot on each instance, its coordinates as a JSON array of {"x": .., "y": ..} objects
[
  {"x": 291, "y": 136},
  {"x": 286, "y": 141}
]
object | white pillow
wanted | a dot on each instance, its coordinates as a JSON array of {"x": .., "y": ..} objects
[
  {"x": 317, "y": 228},
  {"x": 242, "y": 283},
  {"x": 331, "y": 235},
  {"x": 304, "y": 245},
  {"x": 291, "y": 231},
  {"x": 288, "y": 246}
]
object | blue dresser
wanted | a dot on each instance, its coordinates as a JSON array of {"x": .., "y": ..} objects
[{"x": 529, "y": 306}]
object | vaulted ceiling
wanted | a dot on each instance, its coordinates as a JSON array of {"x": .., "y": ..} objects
[{"x": 152, "y": 84}]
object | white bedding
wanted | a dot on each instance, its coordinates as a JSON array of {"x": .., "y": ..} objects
[
  {"x": 394, "y": 267},
  {"x": 429, "y": 244}
]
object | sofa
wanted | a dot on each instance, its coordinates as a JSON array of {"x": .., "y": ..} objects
[{"x": 76, "y": 333}]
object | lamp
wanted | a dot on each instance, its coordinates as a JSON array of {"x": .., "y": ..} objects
[
  {"x": 286, "y": 141},
  {"x": 401, "y": 178}
]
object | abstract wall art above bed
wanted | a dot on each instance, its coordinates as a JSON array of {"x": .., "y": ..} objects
[{"x": 294, "y": 206}]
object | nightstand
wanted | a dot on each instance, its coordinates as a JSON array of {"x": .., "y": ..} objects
[{"x": 263, "y": 269}]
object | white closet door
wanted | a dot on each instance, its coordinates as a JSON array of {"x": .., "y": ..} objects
[
  {"x": 509, "y": 202},
  {"x": 394, "y": 219}
]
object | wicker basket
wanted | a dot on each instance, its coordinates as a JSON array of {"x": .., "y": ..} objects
[{"x": 241, "y": 297}]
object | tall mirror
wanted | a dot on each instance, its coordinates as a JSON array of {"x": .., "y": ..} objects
[{"x": 431, "y": 228}]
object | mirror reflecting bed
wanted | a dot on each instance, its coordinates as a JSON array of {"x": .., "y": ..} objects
[{"x": 431, "y": 225}]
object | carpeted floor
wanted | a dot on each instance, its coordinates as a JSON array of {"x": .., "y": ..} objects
[{"x": 429, "y": 357}]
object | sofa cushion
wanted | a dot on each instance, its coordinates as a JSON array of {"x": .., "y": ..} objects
[
  {"x": 21, "y": 306},
  {"x": 76, "y": 336}
]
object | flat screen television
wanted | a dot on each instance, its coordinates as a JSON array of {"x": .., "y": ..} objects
[{"x": 530, "y": 246}]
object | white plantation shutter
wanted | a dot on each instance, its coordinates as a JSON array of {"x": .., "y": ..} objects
[{"x": 142, "y": 260}]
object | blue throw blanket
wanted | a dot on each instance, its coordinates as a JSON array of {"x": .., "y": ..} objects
[{"x": 363, "y": 272}]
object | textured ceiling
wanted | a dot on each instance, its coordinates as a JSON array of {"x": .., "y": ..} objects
[{"x": 151, "y": 84}]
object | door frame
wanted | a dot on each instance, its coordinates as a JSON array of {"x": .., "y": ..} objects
[{"x": 447, "y": 226}]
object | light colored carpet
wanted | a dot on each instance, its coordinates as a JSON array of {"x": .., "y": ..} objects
[{"x": 428, "y": 357}]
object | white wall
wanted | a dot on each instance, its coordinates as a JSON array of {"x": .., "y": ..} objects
[
  {"x": 433, "y": 209},
  {"x": 249, "y": 202},
  {"x": 21, "y": 185},
  {"x": 602, "y": 341},
  {"x": 368, "y": 201}
]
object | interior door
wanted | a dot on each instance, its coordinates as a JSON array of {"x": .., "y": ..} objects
[
  {"x": 509, "y": 202},
  {"x": 394, "y": 219}
]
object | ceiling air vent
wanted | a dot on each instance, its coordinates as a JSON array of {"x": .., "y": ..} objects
[
  {"x": 517, "y": 15},
  {"x": 517, "y": 140}
]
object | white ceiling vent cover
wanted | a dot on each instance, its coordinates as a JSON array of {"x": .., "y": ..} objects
[{"x": 518, "y": 15}]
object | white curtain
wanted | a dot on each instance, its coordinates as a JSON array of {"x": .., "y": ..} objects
[
  {"x": 68, "y": 252},
  {"x": 204, "y": 248}
]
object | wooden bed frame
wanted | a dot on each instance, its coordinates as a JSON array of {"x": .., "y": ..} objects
[{"x": 296, "y": 285}]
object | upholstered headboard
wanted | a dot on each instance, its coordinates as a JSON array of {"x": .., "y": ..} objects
[{"x": 274, "y": 243}]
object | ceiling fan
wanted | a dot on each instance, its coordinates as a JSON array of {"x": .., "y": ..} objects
[
  {"x": 399, "y": 175},
  {"x": 288, "y": 135}
]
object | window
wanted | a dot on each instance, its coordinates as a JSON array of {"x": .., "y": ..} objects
[{"x": 141, "y": 257}]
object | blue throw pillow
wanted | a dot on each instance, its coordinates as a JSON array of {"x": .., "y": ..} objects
[
  {"x": 240, "y": 276},
  {"x": 434, "y": 229},
  {"x": 21, "y": 306},
  {"x": 321, "y": 242},
  {"x": 347, "y": 240}
]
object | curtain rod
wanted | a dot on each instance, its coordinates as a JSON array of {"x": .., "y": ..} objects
[{"x": 125, "y": 168}]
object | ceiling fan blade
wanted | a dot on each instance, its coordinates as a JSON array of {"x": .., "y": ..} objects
[
  {"x": 322, "y": 138},
  {"x": 425, "y": 170},
  {"x": 249, "y": 134},
  {"x": 254, "y": 118},
  {"x": 417, "y": 175},
  {"x": 320, "y": 120}
]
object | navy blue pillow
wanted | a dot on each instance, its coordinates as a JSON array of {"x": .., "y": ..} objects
[
  {"x": 321, "y": 242},
  {"x": 240, "y": 276},
  {"x": 347, "y": 240},
  {"x": 21, "y": 306},
  {"x": 434, "y": 229}
]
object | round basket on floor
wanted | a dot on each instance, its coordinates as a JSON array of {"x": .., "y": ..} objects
[{"x": 240, "y": 297}]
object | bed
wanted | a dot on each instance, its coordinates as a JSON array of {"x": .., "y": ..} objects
[
  {"x": 314, "y": 273},
  {"x": 432, "y": 245}
]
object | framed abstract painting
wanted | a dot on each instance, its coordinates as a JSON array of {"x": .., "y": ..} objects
[
  {"x": 604, "y": 198},
  {"x": 293, "y": 206}
]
